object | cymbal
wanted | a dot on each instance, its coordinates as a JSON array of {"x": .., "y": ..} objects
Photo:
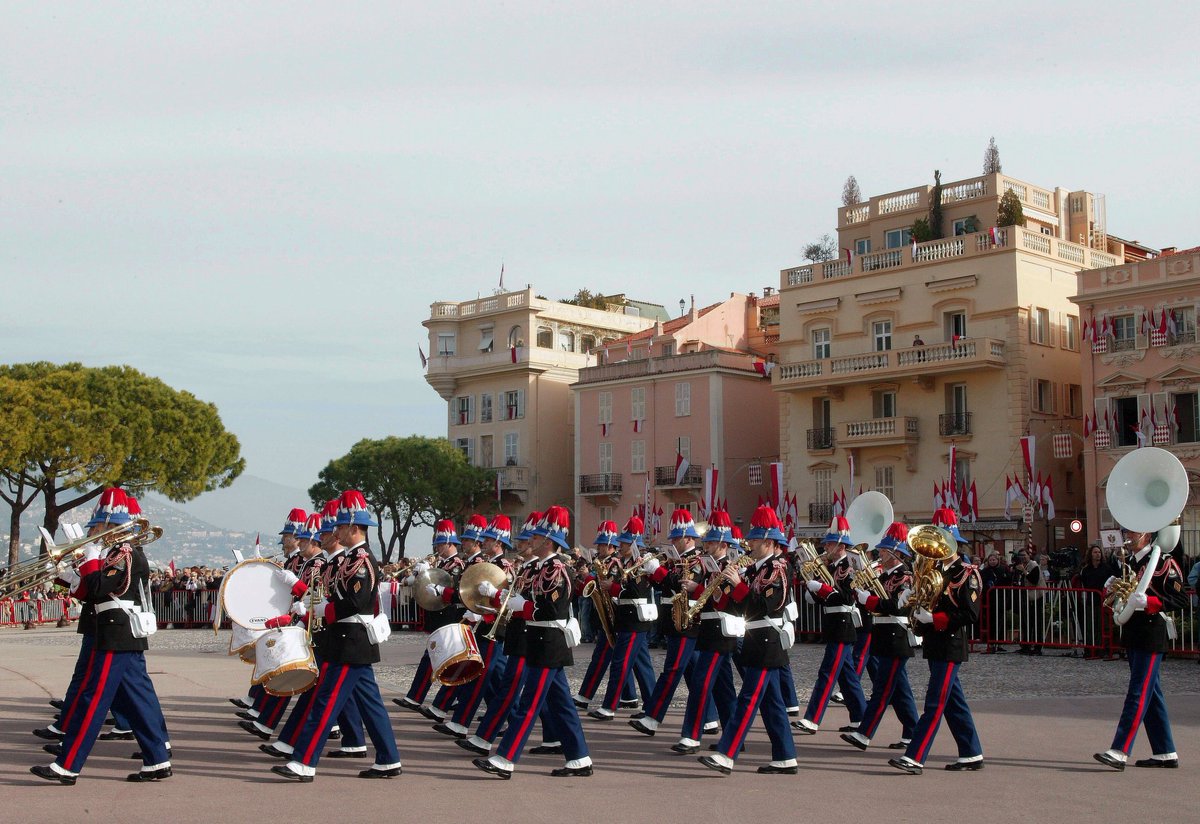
[
  {"x": 437, "y": 577},
  {"x": 468, "y": 586}
]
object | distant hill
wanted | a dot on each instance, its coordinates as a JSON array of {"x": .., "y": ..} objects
[{"x": 250, "y": 504}]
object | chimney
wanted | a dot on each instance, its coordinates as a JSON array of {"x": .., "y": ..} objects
[{"x": 1168, "y": 250}]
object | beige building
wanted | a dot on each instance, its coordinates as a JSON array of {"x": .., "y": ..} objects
[
  {"x": 504, "y": 365},
  {"x": 894, "y": 352},
  {"x": 1143, "y": 376}
]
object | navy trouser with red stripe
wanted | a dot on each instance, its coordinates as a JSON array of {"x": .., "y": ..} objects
[
  {"x": 469, "y": 695},
  {"x": 422, "y": 680},
  {"x": 601, "y": 659},
  {"x": 272, "y": 709},
  {"x": 632, "y": 652},
  {"x": 1144, "y": 704},
  {"x": 836, "y": 666},
  {"x": 787, "y": 683},
  {"x": 349, "y": 721},
  {"x": 760, "y": 693},
  {"x": 944, "y": 697},
  {"x": 339, "y": 685},
  {"x": 544, "y": 692},
  {"x": 109, "y": 672},
  {"x": 258, "y": 697},
  {"x": 710, "y": 692},
  {"x": 889, "y": 687},
  {"x": 71, "y": 699}
]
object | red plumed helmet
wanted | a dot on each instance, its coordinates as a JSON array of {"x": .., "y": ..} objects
[
  {"x": 532, "y": 520},
  {"x": 635, "y": 525},
  {"x": 736, "y": 532},
  {"x": 898, "y": 532},
  {"x": 764, "y": 518},
  {"x": 720, "y": 519},
  {"x": 945, "y": 517},
  {"x": 839, "y": 525},
  {"x": 501, "y": 523},
  {"x": 478, "y": 522},
  {"x": 133, "y": 507},
  {"x": 555, "y": 525}
]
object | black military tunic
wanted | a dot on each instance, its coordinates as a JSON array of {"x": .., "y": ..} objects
[
  {"x": 123, "y": 574},
  {"x": 453, "y": 612},
  {"x": 353, "y": 582},
  {"x": 889, "y": 639},
  {"x": 1145, "y": 630},
  {"x": 709, "y": 637},
  {"x": 762, "y": 594},
  {"x": 550, "y": 586},
  {"x": 631, "y": 587},
  {"x": 949, "y": 638},
  {"x": 838, "y": 627}
]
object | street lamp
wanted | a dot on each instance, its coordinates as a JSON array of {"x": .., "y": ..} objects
[{"x": 682, "y": 305}]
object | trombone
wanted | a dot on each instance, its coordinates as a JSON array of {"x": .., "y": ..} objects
[{"x": 36, "y": 572}]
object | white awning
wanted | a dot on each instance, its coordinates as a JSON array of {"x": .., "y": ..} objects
[{"x": 485, "y": 342}]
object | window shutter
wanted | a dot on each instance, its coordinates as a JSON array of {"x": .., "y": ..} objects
[
  {"x": 1032, "y": 324},
  {"x": 520, "y": 403},
  {"x": 1033, "y": 395},
  {"x": 1141, "y": 340}
]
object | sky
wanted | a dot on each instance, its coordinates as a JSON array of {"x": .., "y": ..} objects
[{"x": 259, "y": 202}]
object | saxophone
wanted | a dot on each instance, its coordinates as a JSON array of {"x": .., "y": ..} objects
[
  {"x": 711, "y": 590},
  {"x": 606, "y": 610},
  {"x": 680, "y": 613}
]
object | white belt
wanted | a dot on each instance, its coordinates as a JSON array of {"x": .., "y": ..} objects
[
  {"x": 632, "y": 602},
  {"x": 763, "y": 623},
  {"x": 105, "y": 606},
  {"x": 357, "y": 619},
  {"x": 559, "y": 624},
  {"x": 710, "y": 616},
  {"x": 891, "y": 619},
  {"x": 832, "y": 610}
]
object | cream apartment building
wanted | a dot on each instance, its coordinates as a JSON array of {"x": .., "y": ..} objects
[
  {"x": 895, "y": 352},
  {"x": 504, "y": 365},
  {"x": 1142, "y": 375}
]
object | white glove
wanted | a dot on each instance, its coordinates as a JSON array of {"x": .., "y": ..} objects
[
  {"x": 814, "y": 586},
  {"x": 902, "y": 601},
  {"x": 1112, "y": 579},
  {"x": 808, "y": 599},
  {"x": 516, "y": 603},
  {"x": 322, "y": 606},
  {"x": 487, "y": 589},
  {"x": 472, "y": 617},
  {"x": 862, "y": 595},
  {"x": 409, "y": 580},
  {"x": 70, "y": 577},
  {"x": 299, "y": 608},
  {"x": 419, "y": 567},
  {"x": 650, "y": 566},
  {"x": 1137, "y": 601},
  {"x": 922, "y": 615},
  {"x": 434, "y": 590},
  {"x": 289, "y": 578},
  {"x": 92, "y": 552}
]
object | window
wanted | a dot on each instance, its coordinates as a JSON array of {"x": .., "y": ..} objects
[
  {"x": 485, "y": 450},
  {"x": 463, "y": 411},
  {"x": 467, "y": 447},
  {"x": 1043, "y": 396},
  {"x": 883, "y": 404},
  {"x": 606, "y": 458},
  {"x": 605, "y": 513},
  {"x": 822, "y": 413},
  {"x": 445, "y": 343},
  {"x": 1074, "y": 399},
  {"x": 962, "y": 473},
  {"x": 885, "y": 481},
  {"x": 965, "y": 226},
  {"x": 515, "y": 338},
  {"x": 514, "y": 404},
  {"x": 545, "y": 337},
  {"x": 1071, "y": 333},
  {"x": 684, "y": 445},
  {"x": 485, "y": 408},
  {"x": 485, "y": 338},
  {"x": 820, "y": 339},
  {"x": 637, "y": 456},
  {"x": 955, "y": 325},
  {"x": 566, "y": 341},
  {"x": 1185, "y": 324},
  {"x": 956, "y": 399},
  {"x": 605, "y": 404},
  {"x": 683, "y": 399},
  {"x": 1039, "y": 326},
  {"x": 637, "y": 403},
  {"x": 512, "y": 448},
  {"x": 881, "y": 330},
  {"x": 896, "y": 238},
  {"x": 862, "y": 246},
  {"x": 1187, "y": 411},
  {"x": 823, "y": 485},
  {"x": 587, "y": 343},
  {"x": 1124, "y": 332},
  {"x": 1125, "y": 413},
  {"x": 668, "y": 349}
]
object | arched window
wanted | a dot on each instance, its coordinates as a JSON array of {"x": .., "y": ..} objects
[
  {"x": 587, "y": 343},
  {"x": 566, "y": 341},
  {"x": 515, "y": 338},
  {"x": 545, "y": 337}
]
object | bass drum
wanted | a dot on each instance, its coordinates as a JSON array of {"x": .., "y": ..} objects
[
  {"x": 242, "y": 641},
  {"x": 454, "y": 655},
  {"x": 283, "y": 661},
  {"x": 255, "y": 591}
]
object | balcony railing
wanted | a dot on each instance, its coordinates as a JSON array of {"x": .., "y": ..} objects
[
  {"x": 820, "y": 513},
  {"x": 665, "y": 476},
  {"x": 515, "y": 478},
  {"x": 954, "y": 423},
  {"x": 966, "y": 354},
  {"x": 820, "y": 438},
  {"x": 687, "y": 361},
  {"x": 880, "y": 431},
  {"x": 604, "y": 483}
]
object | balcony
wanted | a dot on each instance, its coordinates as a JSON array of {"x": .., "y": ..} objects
[
  {"x": 880, "y": 432},
  {"x": 514, "y": 478},
  {"x": 954, "y": 424},
  {"x": 686, "y": 362},
  {"x": 603, "y": 483},
  {"x": 820, "y": 439},
  {"x": 920, "y": 362},
  {"x": 665, "y": 476},
  {"x": 820, "y": 513}
]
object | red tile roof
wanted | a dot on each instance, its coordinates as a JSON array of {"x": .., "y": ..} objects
[{"x": 670, "y": 326}]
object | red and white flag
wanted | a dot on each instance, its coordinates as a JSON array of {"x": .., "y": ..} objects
[
  {"x": 1048, "y": 498},
  {"x": 1028, "y": 454},
  {"x": 1172, "y": 324},
  {"x": 681, "y": 468},
  {"x": 171, "y": 566},
  {"x": 937, "y": 497},
  {"x": 974, "y": 499},
  {"x": 849, "y": 257},
  {"x": 421, "y": 353},
  {"x": 953, "y": 455},
  {"x": 512, "y": 353},
  {"x": 637, "y": 425},
  {"x": 1010, "y": 495},
  {"x": 1089, "y": 331},
  {"x": 257, "y": 546},
  {"x": 995, "y": 236},
  {"x": 764, "y": 367},
  {"x": 604, "y": 430},
  {"x": 1088, "y": 426},
  {"x": 776, "y": 472}
]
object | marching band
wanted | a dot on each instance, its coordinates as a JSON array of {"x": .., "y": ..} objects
[{"x": 502, "y": 634}]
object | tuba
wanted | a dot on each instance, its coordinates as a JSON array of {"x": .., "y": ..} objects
[
  {"x": 931, "y": 545},
  {"x": 1145, "y": 492},
  {"x": 606, "y": 610},
  {"x": 869, "y": 515},
  {"x": 811, "y": 565}
]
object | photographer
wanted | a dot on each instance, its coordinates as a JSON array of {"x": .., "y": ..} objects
[{"x": 1026, "y": 573}]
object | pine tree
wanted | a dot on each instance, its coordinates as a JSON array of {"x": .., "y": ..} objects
[
  {"x": 1010, "y": 212},
  {"x": 991, "y": 159},
  {"x": 851, "y": 194},
  {"x": 935, "y": 206}
]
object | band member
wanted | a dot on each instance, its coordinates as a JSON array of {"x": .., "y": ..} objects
[
  {"x": 477, "y": 548},
  {"x": 668, "y": 579},
  {"x": 1147, "y": 634},
  {"x": 349, "y": 651},
  {"x": 710, "y": 681},
  {"x": 508, "y": 687},
  {"x": 946, "y": 634},
  {"x": 605, "y": 567},
  {"x": 117, "y": 583},
  {"x": 548, "y": 621},
  {"x": 891, "y": 646},
  {"x": 838, "y": 631},
  {"x": 760, "y": 593},
  {"x": 791, "y": 612},
  {"x": 445, "y": 545},
  {"x": 635, "y": 615}
]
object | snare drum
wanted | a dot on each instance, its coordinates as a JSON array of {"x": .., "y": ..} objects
[
  {"x": 241, "y": 643},
  {"x": 255, "y": 591},
  {"x": 454, "y": 655},
  {"x": 283, "y": 661}
]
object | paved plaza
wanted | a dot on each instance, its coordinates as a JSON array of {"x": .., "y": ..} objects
[{"x": 1040, "y": 720}]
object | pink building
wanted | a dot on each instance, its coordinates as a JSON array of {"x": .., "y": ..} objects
[
  {"x": 693, "y": 386},
  {"x": 1141, "y": 371}
]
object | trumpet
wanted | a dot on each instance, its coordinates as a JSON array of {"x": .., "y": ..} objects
[
  {"x": 811, "y": 564},
  {"x": 37, "y": 572}
]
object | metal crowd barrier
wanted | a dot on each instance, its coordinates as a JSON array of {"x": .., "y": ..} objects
[
  {"x": 184, "y": 609},
  {"x": 44, "y": 611}
]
